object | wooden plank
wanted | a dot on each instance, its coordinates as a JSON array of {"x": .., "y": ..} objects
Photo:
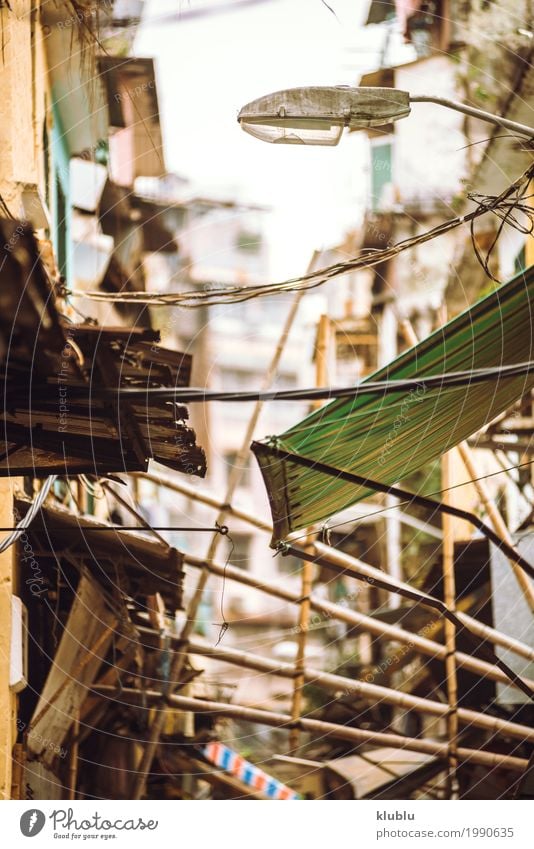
[{"x": 73, "y": 670}]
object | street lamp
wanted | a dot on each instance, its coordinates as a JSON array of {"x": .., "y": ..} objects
[{"x": 318, "y": 114}]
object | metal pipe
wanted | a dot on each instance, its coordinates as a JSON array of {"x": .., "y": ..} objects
[{"x": 481, "y": 114}]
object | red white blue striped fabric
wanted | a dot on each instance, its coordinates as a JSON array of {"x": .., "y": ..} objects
[{"x": 221, "y": 756}]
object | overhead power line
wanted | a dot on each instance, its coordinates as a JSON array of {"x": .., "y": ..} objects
[
  {"x": 513, "y": 207},
  {"x": 446, "y": 381},
  {"x": 26, "y": 521}
]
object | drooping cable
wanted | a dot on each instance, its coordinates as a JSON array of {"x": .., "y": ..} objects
[
  {"x": 26, "y": 520},
  {"x": 449, "y": 380},
  {"x": 506, "y": 206}
]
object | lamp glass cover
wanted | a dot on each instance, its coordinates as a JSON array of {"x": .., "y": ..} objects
[{"x": 297, "y": 131}]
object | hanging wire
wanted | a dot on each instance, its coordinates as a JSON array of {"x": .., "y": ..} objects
[
  {"x": 26, "y": 521},
  {"x": 448, "y": 380},
  {"x": 505, "y": 206},
  {"x": 223, "y": 530}
]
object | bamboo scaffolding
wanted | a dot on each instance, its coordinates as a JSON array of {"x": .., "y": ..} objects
[
  {"x": 449, "y": 597},
  {"x": 499, "y": 525},
  {"x": 353, "y": 687},
  {"x": 235, "y": 476},
  {"x": 324, "y": 729},
  {"x": 425, "y": 646},
  {"x": 366, "y": 574},
  {"x": 321, "y": 376},
  {"x": 349, "y": 563},
  {"x": 330, "y": 610}
]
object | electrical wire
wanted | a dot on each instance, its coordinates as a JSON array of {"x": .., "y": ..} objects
[
  {"x": 448, "y": 380},
  {"x": 26, "y": 521},
  {"x": 504, "y": 206}
]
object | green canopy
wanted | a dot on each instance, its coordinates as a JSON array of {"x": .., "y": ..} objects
[{"x": 386, "y": 436}]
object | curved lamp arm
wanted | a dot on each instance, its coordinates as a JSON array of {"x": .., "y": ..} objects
[{"x": 475, "y": 113}]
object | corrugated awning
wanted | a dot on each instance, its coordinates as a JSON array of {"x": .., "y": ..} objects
[{"x": 386, "y": 436}]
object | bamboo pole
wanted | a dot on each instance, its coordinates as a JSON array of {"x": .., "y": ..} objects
[
  {"x": 321, "y": 378},
  {"x": 425, "y": 646},
  {"x": 372, "y": 692},
  {"x": 499, "y": 525},
  {"x": 322, "y": 347},
  {"x": 298, "y": 673},
  {"x": 496, "y": 520},
  {"x": 235, "y": 476},
  {"x": 329, "y": 610},
  {"x": 203, "y": 497},
  {"x": 345, "y": 561},
  {"x": 496, "y": 637},
  {"x": 449, "y": 597},
  {"x": 324, "y": 729}
]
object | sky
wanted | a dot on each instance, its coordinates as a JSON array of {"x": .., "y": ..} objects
[{"x": 208, "y": 67}]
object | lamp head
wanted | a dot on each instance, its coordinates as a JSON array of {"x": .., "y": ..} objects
[{"x": 318, "y": 114}]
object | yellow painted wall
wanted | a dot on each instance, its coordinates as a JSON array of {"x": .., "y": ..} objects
[
  {"x": 22, "y": 112},
  {"x": 7, "y": 699}
]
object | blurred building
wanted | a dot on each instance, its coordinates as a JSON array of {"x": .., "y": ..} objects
[{"x": 220, "y": 242}]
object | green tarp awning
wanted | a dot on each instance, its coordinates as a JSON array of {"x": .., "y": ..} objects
[{"x": 387, "y": 436}]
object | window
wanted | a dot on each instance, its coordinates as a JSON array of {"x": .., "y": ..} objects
[
  {"x": 248, "y": 241},
  {"x": 61, "y": 227},
  {"x": 381, "y": 171}
]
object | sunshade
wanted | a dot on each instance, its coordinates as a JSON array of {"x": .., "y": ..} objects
[{"x": 386, "y": 436}]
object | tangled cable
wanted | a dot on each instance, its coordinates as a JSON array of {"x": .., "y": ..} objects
[
  {"x": 505, "y": 206},
  {"x": 26, "y": 521}
]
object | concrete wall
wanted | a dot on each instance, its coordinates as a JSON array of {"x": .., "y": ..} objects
[{"x": 428, "y": 159}]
